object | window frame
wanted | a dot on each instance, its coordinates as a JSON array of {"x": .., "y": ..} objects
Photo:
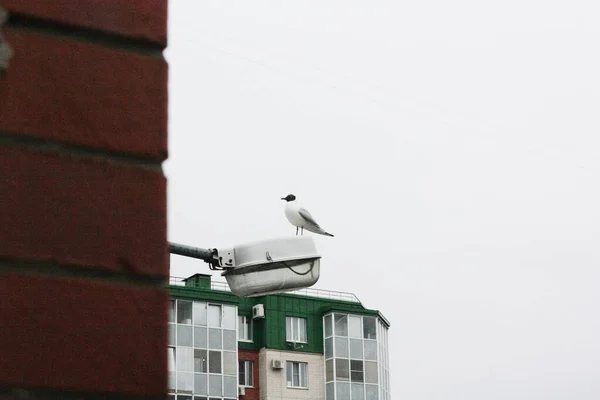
[
  {"x": 247, "y": 363},
  {"x": 209, "y": 318},
  {"x": 182, "y": 378},
  {"x": 361, "y": 370},
  {"x": 171, "y": 358},
  {"x": 250, "y": 332},
  {"x": 366, "y": 365},
  {"x": 203, "y": 362},
  {"x": 289, "y": 336},
  {"x": 291, "y": 363},
  {"x": 179, "y": 317}
]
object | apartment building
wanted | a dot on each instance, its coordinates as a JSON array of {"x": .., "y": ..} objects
[{"x": 310, "y": 344}]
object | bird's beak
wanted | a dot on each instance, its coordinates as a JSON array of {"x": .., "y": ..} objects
[{"x": 283, "y": 198}]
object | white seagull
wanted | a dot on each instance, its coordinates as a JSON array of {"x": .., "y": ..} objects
[{"x": 301, "y": 218}]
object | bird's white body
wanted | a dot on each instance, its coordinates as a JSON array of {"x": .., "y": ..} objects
[
  {"x": 301, "y": 218},
  {"x": 293, "y": 215}
]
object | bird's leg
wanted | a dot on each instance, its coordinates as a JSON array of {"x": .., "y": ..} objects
[
  {"x": 302, "y": 231},
  {"x": 296, "y": 231}
]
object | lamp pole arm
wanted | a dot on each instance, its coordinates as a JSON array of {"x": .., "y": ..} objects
[{"x": 211, "y": 256}]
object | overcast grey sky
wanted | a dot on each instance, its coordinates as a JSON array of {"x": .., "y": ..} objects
[{"x": 451, "y": 147}]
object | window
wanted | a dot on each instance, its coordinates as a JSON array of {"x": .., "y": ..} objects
[
  {"x": 356, "y": 370},
  {"x": 246, "y": 373},
  {"x": 214, "y": 315},
  {"x": 369, "y": 329},
  {"x": 230, "y": 387},
  {"x": 200, "y": 360},
  {"x": 202, "y": 353},
  {"x": 343, "y": 390},
  {"x": 329, "y": 370},
  {"x": 356, "y": 349},
  {"x": 329, "y": 391},
  {"x": 184, "y": 312},
  {"x": 214, "y": 338},
  {"x": 229, "y": 313},
  {"x": 342, "y": 369},
  {"x": 229, "y": 340},
  {"x": 370, "y": 350},
  {"x": 200, "y": 384},
  {"x": 200, "y": 337},
  {"x": 172, "y": 330},
  {"x": 199, "y": 311},
  {"x": 340, "y": 321},
  {"x": 372, "y": 392},
  {"x": 185, "y": 381},
  {"x": 171, "y": 310},
  {"x": 356, "y": 358},
  {"x": 296, "y": 329},
  {"x": 244, "y": 328},
  {"x": 327, "y": 325},
  {"x": 214, "y": 362},
  {"x": 184, "y": 336},
  {"x": 296, "y": 374},
  {"x": 215, "y": 385},
  {"x": 341, "y": 347},
  {"x": 172, "y": 381},
  {"x": 171, "y": 358},
  {"x": 184, "y": 359},
  {"x": 370, "y": 372},
  {"x": 229, "y": 361},
  {"x": 354, "y": 326},
  {"x": 358, "y": 391},
  {"x": 329, "y": 347}
]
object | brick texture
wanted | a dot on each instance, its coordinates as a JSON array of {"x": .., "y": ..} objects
[
  {"x": 254, "y": 392},
  {"x": 85, "y": 94},
  {"x": 60, "y": 209},
  {"x": 142, "y": 19},
  {"x": 86, "y": 336},
  {"x": 83, "y": 221}
]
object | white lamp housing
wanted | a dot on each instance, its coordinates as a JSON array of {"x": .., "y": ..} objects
[{"x": 273, "y": 266}]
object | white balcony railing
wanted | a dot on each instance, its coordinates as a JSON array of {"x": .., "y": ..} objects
[{"x": 310, "y": 292}]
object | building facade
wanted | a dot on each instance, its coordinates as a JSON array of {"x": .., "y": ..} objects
[{"x": 306, "y": 345}]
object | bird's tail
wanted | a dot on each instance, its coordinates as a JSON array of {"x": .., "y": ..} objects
[{"x": 327, "y": 234}]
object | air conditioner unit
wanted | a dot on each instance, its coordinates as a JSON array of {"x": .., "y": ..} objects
[
  {"x": 258, "y": 311},
  {"x": 241, "y": 390},
  {"x": 276, "y": 364}
]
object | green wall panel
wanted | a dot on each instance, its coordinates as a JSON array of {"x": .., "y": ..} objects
[{"x": 278, "y": 307}]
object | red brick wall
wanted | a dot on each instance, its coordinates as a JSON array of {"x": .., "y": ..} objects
[
  {"x": 83, "y": 249},
  {"x": 248, "y": 355}
]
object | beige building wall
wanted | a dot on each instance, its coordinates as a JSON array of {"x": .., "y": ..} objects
[{"x": 273, "y": 385}]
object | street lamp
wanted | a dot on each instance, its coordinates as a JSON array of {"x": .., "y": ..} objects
[{"x": 264, "y": 267}]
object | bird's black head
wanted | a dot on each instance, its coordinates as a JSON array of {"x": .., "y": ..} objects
[{"x": 289, "y": 197}]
